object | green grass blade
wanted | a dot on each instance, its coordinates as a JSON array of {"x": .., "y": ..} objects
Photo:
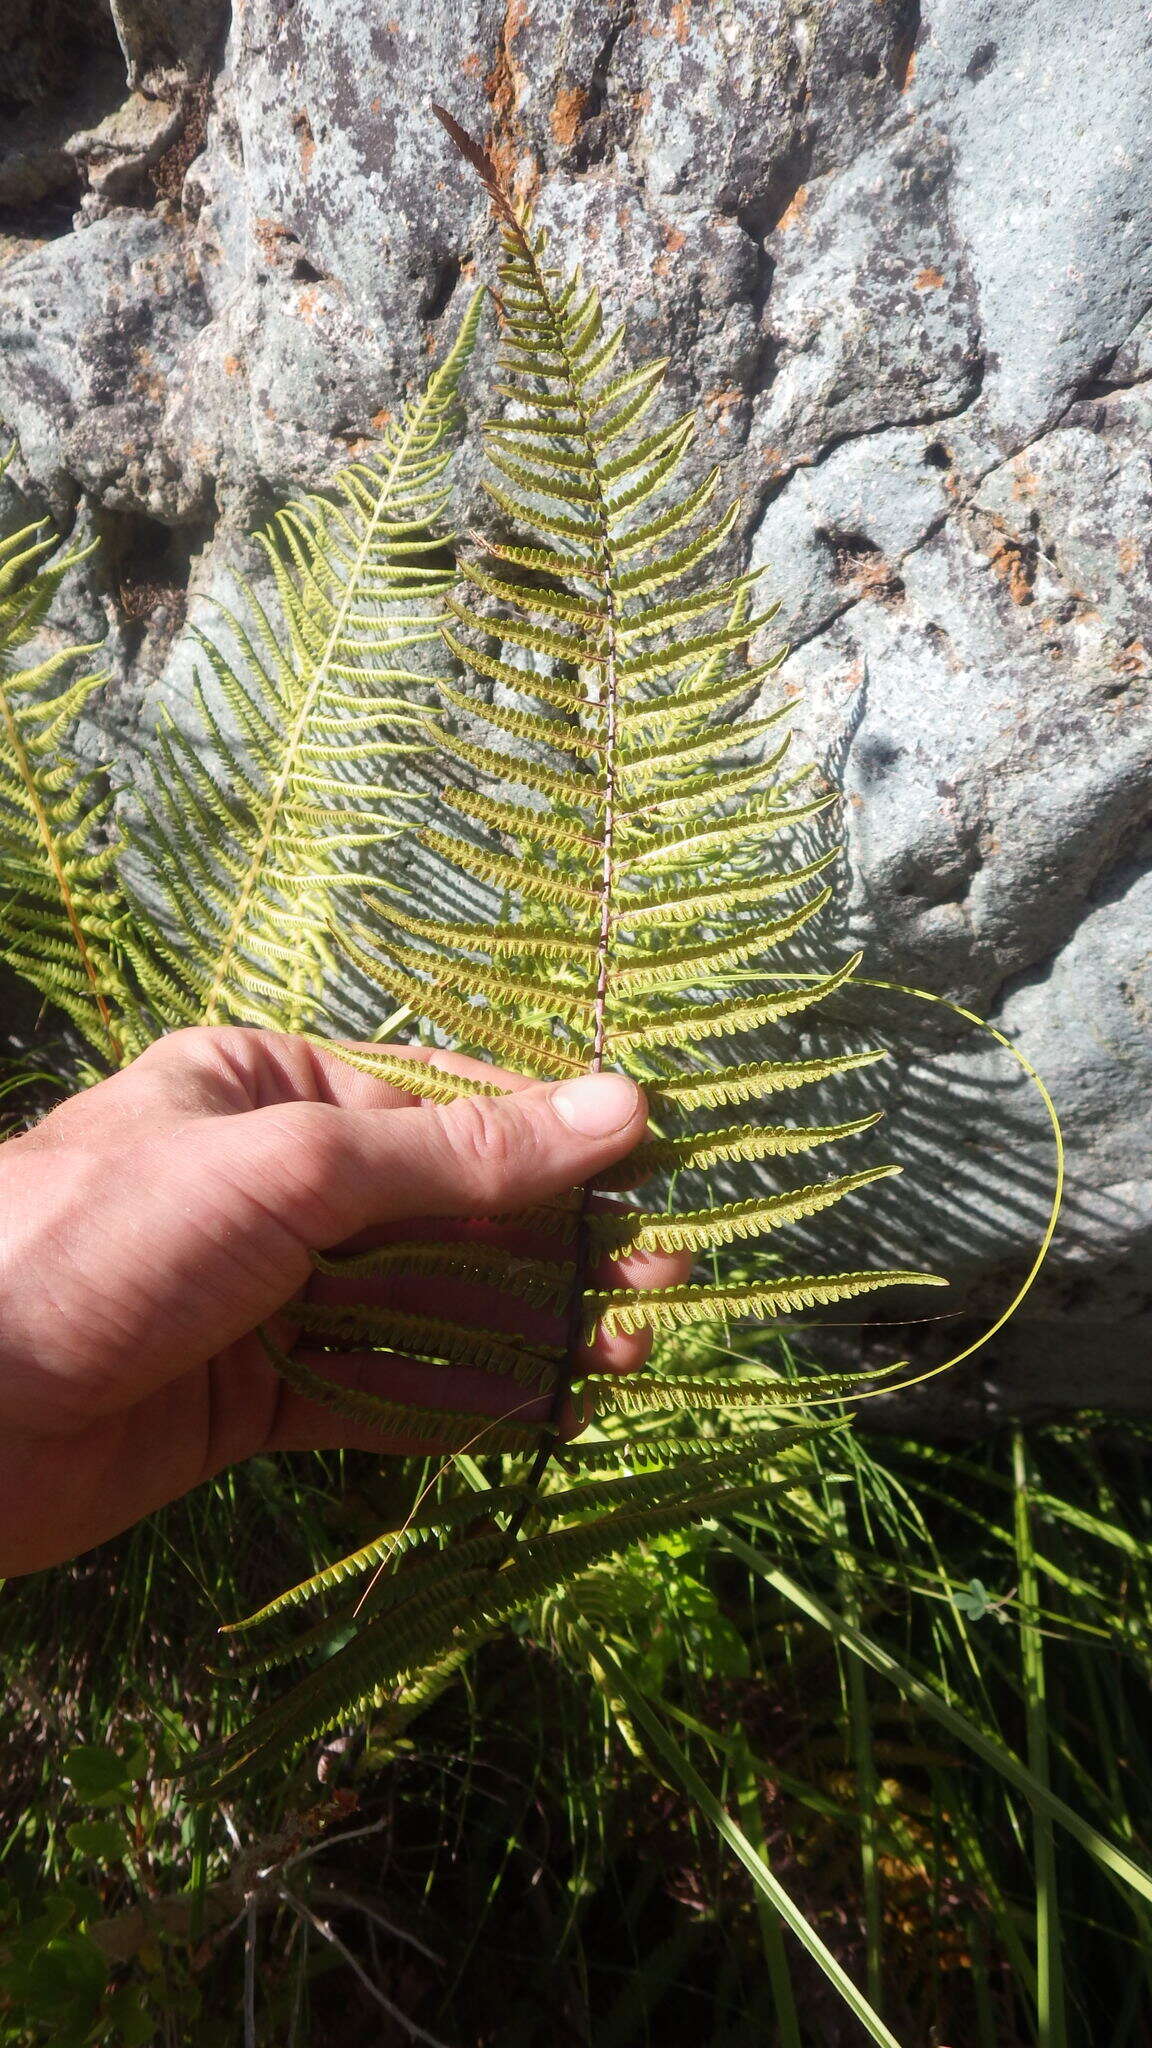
[
  {"x": 768, "y": 1886},
  {"x": 771, "y": 1932},
  {"x": 1050, "y": 2018},
  {"x": 863, "y": 1760},
  {"x": 1103, "y": 1852}
]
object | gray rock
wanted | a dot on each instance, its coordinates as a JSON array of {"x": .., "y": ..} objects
[
  {"x": 96, "y": 328},
  {"x": 901, "y": 257}
]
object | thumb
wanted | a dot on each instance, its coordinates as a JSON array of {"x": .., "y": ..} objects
[{"x": 338, "y": 1171}]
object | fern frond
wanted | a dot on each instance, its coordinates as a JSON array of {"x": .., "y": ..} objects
[
  {"x": 450, "y": 1601},
  {"x": 433, "y": 1338},
  {"x": 62, "y": 917},
  {"x": 604, "y": 797},
  {"x": 697, "y": 1022},
  {"x": 712, "y": 843},
  {"x": 674, "y": 1467},
  {"x": 638, "y": 1453},
  {"x": 599, "y": 774},
  {"x": 640, "y": 1395},
  {"x": 413, "y": 1077},
  {"x": 245, "y": 881},
  {"x": 705, "y": 1149},
  {"x": 407, "y": 1425},
  {"x": 724, "y": 1087}
]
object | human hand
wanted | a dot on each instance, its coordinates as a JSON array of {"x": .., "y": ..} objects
[{"x": 151, "y": 1224}]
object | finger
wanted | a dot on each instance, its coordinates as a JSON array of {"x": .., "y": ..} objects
[
  {"x": 222, "y": 1069},
  {"x": 350, "y": 1087},
  {"x": 324, "y": 1173}
]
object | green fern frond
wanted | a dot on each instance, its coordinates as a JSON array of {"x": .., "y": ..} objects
[
  {"x": 637, "y": 1453},
  {"x": 413, "y": 1077},
  {"x": 543, "y": 1283},
  {"x": 724, "y": 1087},
  {"x": 641, "y": 1395},
  {"x": 704, "y": 1149},
  {"x": 576, "y": 1490},
  {"x": 450, "y": 1600},
  {"x": 433, "y": 1338},
  {"x": 619, "y": 814},
  {"x": 62, "y": 922},
  {"x": 319, "y": 703}
]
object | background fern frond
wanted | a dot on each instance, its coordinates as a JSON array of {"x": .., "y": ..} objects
[
  {"x": 245, "y": 857},
  {"x": 62, "y": 924}
]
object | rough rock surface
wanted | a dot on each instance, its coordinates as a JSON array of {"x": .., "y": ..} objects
[{"x": 902, "y": 258}]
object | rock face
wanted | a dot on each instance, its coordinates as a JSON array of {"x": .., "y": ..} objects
[{"x": 902, "y": 260}]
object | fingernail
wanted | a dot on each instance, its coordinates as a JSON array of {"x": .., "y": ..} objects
[{"x": 597, "y": 1104}]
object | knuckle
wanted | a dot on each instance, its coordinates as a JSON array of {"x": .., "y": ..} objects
[
  {"x": 310, "y": 1136},
  {"x": 306, "y": 1158},
  {"x": 189, "y": 1041},
  {"x": 488, "y": 1148}
]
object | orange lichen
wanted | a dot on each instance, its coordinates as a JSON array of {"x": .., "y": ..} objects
[
  {"x": 929, "y": 279},
  {"x": 1015, "y": 564},
  {"x": 718, "y": 404},
  {"x": 269, "y": 234},
  {"x": 794, "y": 208},
  {"x": 567, "y": 114},
  {"x": 505, "y": 87},
  {"x": 1132, "y": 660}
]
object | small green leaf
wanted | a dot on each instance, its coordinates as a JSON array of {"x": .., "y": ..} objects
[
  {"x": 100, "y": 1776},
  {"x": 64, "y": 1984},
  {"x": 126, "y": 2013},
  {"x": 103, "y": 1841},
  {"x": 974, "y": 1601}
]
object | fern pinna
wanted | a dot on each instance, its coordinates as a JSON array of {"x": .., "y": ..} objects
[{"x": 614, "y": 823}]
